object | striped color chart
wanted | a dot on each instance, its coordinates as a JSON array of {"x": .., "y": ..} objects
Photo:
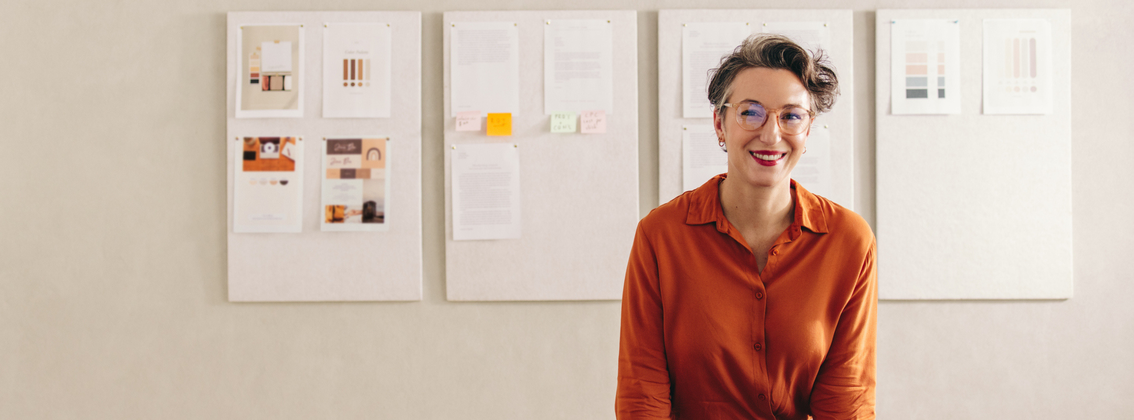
[
  {"x": 918, "y": 66},
  {"x": 356, "y": 72},
  {"x": 917, "y": 70},
  {"x": 254, "y": 66},
  {"x": 1020, "y": 63}
]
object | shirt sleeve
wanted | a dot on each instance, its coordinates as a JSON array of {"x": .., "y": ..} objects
[
  {"x": 844, "y": 387},
  {"x": 643, "y": 373}
]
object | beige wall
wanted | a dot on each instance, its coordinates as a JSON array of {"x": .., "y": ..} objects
[{"x": 112, "y": 257}]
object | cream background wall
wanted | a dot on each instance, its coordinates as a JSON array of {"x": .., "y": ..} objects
[{"x": 112, "y": 257}]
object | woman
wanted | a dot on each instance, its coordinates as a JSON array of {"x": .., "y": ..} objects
[{"x": 750, "y": 297}]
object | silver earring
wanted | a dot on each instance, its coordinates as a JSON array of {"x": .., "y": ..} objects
[{"x": 721, "y": 143}]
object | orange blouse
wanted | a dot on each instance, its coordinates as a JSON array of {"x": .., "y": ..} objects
[{"x": 707, "y": 336}]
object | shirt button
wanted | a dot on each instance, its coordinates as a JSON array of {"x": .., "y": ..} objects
[
  {"x": 759, "y": 295},
  {"x": 757, "y": 346},
  {"x": 761, "y": 397}
]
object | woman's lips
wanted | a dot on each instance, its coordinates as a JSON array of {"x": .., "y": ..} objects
[{"x": 767, "y": 157}]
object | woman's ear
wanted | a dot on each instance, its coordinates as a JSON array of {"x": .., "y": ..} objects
[{"x": 718, "y": 124}]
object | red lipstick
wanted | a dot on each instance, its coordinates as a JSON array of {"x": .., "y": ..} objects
[{"x": 767, "y": 157}]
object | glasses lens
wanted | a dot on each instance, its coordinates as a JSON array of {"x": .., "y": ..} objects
[
  {"x": 794, "y": 120},
  {"x": 750, "y": 115}
]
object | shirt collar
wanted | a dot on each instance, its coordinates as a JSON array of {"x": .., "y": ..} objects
[{"x": 705, "y": 207}]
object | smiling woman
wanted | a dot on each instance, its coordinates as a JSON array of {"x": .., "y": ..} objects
[
  {"x": 750, "y": 297},
  {"x": 764, "y": 150}
]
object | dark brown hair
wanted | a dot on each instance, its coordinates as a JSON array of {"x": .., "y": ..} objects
[{"x": 777, "y": 52}]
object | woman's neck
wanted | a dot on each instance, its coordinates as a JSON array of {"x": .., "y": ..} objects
[{"x": 751, "y": 207}]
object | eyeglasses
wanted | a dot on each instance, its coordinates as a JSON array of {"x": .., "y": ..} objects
[{"x": 792, "y": 119}]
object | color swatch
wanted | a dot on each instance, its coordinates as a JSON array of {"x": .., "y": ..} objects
[
  {"x": 917, "y": 70},
  {"x": 356, "y": 72},
  {"x": 918, "y": 65},
  {"x": 254, "y": 66},
  {"x": 925, "y": 64},
  {"x": 1020, "y": 64}
]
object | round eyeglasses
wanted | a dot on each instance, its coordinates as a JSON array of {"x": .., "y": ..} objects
[{"x": 792, "y": 119}]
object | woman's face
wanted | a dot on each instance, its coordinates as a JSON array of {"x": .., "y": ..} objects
[{"x": 763, "y": 157}]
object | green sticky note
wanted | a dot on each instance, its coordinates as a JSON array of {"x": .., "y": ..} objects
[{"x": 563, "y": 122}]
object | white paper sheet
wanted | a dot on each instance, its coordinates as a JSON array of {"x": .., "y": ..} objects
[
  {"x": 269, "y": 71},
  {"x": 268, "y": 189},
  {"x": 484, "y": 67},
  {"x": 577, "y": 66},
  {"x": 1017, "y": 66},
  {"x": 814, "y": 168},
  {"x": 701, "y": 156},
  {"x": 813, "y": 36},
  {"x": 356, "y": 70},
  {"x": 276, "y": 56},
  {"x": 356, "y": 184},
  {"x": 925, "y": 66},
  {"x": 486, "y": 191},
  {"x": 702, "y": 46}
]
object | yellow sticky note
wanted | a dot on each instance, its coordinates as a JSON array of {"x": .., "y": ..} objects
[
  {"x": 563, "y": 122},
  {"x": 500, "y": 124}
]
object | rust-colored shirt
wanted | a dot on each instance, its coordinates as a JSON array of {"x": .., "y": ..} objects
[{"x": 705, "y": 335}]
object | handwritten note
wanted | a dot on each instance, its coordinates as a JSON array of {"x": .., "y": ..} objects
[
  {"x": 594, "y": 122},
  {"x": 563, "y": 122},
  {"x": 468, "y": 121},
  {"x": 500, "y": 124}
]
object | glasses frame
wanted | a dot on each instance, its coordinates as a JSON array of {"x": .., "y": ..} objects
[{"x": 768, "y": 111}]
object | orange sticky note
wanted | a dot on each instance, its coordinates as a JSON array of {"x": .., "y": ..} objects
[
  {"x": 500, "y": 124},
  {"x": 593, "y": 122}
]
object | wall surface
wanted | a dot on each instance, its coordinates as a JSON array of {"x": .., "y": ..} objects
[{"x": 112, "y": 257}]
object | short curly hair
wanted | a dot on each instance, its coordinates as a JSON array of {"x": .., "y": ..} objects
[{"x": 776, "y": 52}]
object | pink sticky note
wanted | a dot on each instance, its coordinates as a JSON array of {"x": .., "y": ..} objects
[
  {"x": 468, "y": 121},
  {"x": 592, "y": 122}
]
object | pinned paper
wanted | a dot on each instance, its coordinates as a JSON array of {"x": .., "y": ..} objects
[
  {"x": 485, "y": 71},
  {"x": 486, "y": 191},
  {"x": 468, "y": 121},
  {"x": 578, "y": 65},
  {"x": 594, "y": 122},
  {"x": 500, "y": 124},
  {"x": 563, "y": 122}
]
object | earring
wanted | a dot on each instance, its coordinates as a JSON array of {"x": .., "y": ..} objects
[
  {"x": 720, "y": 141},
  {"x": 805, "y": 150}
]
